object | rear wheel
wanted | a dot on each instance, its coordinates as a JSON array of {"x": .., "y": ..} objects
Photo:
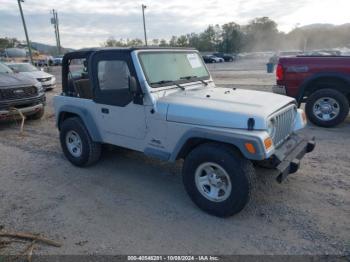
[
  {"x": 218, "y": 179},
  {"x": 327, "y": 107},
  {"x": 77, "y": 144}
]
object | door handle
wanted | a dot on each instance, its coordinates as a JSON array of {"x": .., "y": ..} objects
[{"x": 105, "y": 110}]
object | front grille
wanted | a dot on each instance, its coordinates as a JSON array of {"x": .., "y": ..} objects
[
  {"x": 284, "y": 122},
  {"x": 18, "y": 93},
  {"x": 44, "y": 79}
]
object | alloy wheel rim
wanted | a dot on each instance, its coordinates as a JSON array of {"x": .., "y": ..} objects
[
  {"x": 73, "y": 143},
  {"x": 326, "y": 108},
  {"x": 213, "y": 182}
]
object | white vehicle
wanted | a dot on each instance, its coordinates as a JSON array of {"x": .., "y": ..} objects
[
  {"x": 47, "y": 81},
  {"x": 164, "y": 103}
]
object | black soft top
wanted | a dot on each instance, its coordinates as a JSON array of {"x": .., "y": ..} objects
[
  {"x": 86, "y": 52},
  {"x": 127, "y": 49}
]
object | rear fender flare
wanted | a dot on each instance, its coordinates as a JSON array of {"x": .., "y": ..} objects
[
  {"x": 85, "y": 116},
  {"x": 307, "y": 81}
]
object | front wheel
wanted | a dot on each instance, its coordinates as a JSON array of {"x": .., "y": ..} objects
[
  {"x": 76, "y": 143},
  {"x": 218, "y": 179},
  {"x": 327, "y": 107}
]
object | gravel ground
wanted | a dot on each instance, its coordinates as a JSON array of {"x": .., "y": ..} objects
[{"x": 131, "y": 204}]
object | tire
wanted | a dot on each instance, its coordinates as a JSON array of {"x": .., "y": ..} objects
[
  {"x": 89, "y": 151},
  {"x": 38, "y": 115},
  {"x": 334, "y": 100},
  {"x": 222, "y": 157}
]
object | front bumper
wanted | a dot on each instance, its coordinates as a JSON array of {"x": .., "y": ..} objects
[
  {"x": 278, "y": 89},
  {"x": 14, "y": 113},
  {"x": 290, "y": 154},
  {"x": 27, "y": 106}
]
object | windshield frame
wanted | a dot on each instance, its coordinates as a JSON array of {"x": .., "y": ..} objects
[{"x": 175, "y": 82}]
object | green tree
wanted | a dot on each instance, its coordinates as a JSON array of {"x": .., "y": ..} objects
[
  {"x": 173, "y": 41},
  {"x": 155, "y": 42},
  {"x": 193, "y": 40},
  {"x": 182, "y": 41},
  {"x": 207, "y": 39},
  {"x": 134, "y": 42},
  {"x": 8, "y": 42},
  {"x": 231, "y": 38},
  {"x": 261, "y": 34},
  {"x": 111, "y": 42},
  {"x": 163, "y": 43}
]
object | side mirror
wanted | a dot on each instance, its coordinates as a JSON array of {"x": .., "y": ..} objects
[{"x": 132, "y": 85}]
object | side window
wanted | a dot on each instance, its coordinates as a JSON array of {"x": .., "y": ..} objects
[
  {"x": 113, "y": 75},
  {"x": 77, "y": 68}
]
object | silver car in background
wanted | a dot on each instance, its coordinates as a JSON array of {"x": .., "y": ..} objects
[{"x": 47, "y": 80}]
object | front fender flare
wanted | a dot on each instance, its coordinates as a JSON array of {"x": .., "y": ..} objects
[{"x": 236, "y": 139}]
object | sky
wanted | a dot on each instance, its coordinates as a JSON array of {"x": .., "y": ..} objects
[{"x": 87, "y": 23}]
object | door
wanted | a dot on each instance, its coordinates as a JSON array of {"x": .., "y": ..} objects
[{"x": 118, "y": 114}]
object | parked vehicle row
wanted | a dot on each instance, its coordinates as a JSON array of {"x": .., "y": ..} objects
[
  {"x": 20, "y": 93},
  {"x": 47, "y": 80},
  {"x": 51, "y": 61},
  {"x": 218, "y": 58},
  {"x": 212, "y": 59}
]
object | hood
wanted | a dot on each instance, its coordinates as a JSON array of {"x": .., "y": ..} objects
[
  {"x": 36, "y": 74},
  {"x": 222, "y": 107},
  {"x": 15, "y": 80}
]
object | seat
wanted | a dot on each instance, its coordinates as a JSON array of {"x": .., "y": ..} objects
[
  {"x": 114, "y": 75},
  {"x": 83, "y": 88}
]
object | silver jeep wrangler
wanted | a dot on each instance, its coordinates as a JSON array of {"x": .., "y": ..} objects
[{"x": 164, "y": 103}]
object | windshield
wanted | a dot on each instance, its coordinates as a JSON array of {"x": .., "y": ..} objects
[
  {"x": 23, "y": 67},
  {"x": 166, "y": 68},
  {"x": 5, "y": 69}
]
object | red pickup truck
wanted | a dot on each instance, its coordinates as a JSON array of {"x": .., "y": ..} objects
[{"x": 322, "y": 82}]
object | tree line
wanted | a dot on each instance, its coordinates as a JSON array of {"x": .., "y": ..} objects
[{"x": 260, "y": 34}]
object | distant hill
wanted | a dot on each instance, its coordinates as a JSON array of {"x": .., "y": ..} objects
[
  {"x": 323, "y": 26},
  {"x": 318, "y": 36},
  {"x": 49, "y": 49}
]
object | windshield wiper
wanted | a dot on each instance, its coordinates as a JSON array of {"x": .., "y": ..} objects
[
  {"x": 162, "y": 82},
  {"x": 194, "y": 77},
  {"x": 166, "y": 82}
]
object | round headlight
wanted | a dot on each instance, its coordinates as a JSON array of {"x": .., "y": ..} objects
[{"x": 271, "y": 128}]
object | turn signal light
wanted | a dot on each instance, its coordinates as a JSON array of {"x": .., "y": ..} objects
[
  {"x": 268, "y": 143},
  {"x": 303, "y": 115},
  {"x": 250, "y": 148}
]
